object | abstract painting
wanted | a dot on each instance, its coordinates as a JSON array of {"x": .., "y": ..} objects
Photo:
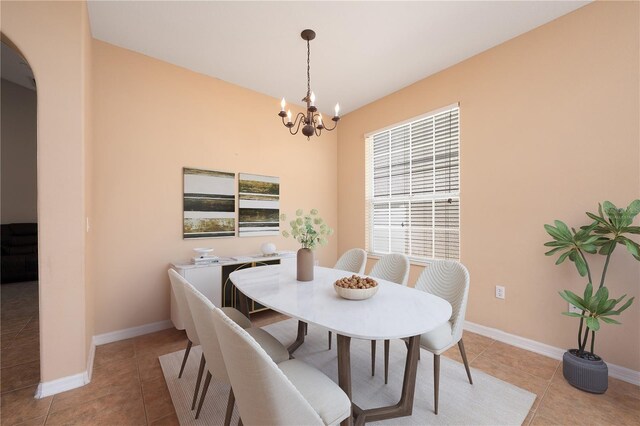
[
  {"x": 259, "y": 205},
  {"x": 209, "y": 204}
]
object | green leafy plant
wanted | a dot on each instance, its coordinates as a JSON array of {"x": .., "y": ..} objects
[
  {"x": 610, "y": 227},
  {"x": 310, "y": 230},
  {"x": 595, "y": 308}
]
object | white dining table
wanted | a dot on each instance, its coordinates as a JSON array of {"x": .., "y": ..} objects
[{"x": 394, "y": 312}]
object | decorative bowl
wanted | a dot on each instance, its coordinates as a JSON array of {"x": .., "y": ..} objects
[{"x": 355, "y": 293}]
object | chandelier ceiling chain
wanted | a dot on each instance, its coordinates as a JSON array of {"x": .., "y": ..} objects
[
  {"x": 308, "y": 69},
  {"x": 312, "y": 121}
]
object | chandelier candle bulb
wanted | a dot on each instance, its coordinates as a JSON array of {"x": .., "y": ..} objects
[
  {"x": 313, "y": 99},
  {"x": 289, "y": 116},
  {"x": 337, "y": 110},
  {"x": 282, "y": 104}
]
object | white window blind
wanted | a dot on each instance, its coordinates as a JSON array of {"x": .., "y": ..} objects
[{"x": 413, "y": 188}]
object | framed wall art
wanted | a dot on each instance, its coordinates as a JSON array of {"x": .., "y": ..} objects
[
  {"x": 258, "y": 205},
  {"x": 209, "y": 204}
]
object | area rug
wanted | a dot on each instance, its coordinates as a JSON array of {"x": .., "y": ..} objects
[{"x": 489, "y": 401}]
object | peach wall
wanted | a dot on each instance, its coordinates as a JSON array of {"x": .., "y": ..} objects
[
  {"x": 549, "y": 127},
  {"x": 18, "y": 154},
  {"x": 50, "y": 35},
  {"x": 87, "y": 52},
  {"x": 151, "y": 119}
]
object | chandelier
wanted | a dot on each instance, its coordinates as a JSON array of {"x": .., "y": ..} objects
[{"x": 312, "y": 120}]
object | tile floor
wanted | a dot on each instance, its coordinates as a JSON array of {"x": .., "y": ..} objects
[{"x": 128, "y": 388}]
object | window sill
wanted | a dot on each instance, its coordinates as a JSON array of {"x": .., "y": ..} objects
[{"x": 412, "y": 260}]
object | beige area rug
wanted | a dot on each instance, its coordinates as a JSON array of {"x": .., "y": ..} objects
[{"x": 489, "y": 401}]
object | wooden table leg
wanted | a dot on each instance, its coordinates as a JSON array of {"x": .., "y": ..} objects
[
  {"x": 404, "y": 407},
  {"x": 302, "y": 326},
  {"x": 344, "y": 370},
  {"x": 410, "y": 373}
]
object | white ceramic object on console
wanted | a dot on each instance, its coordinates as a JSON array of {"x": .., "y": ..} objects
[
  {"x": 268, "y": 249},
  {"x": 355, "y": 293},
  {"x": 202, "y": 251}
]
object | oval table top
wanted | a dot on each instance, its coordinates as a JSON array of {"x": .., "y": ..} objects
[{"x": 393, "y": 312}]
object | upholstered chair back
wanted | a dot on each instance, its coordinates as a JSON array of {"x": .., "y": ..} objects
[
  {"x": 392, "y": 267},
  {"x": 353, "y": 260},
  {"x": 448, "y": 279},
  {"x": 263, "y": 393},
  {"x": 202, "y": 311},
  {"x": 177, "y": 287}
]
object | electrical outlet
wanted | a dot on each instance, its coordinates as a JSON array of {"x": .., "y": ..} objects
[
  {"x": 575, "y": 309},
  {"x": 500, "y": 292}
]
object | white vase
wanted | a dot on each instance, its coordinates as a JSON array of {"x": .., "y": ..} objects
[{"x": 268, "y": 249}]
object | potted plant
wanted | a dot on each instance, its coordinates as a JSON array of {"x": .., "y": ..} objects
[
  {"x": 310, "y": 231},
  {"x": 582, "y": 368}
]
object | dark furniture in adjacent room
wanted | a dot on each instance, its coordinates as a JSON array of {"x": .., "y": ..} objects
[{"x": 19, "y": 243}]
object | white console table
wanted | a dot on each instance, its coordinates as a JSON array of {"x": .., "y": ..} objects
[{"x": 212, "y": 279}]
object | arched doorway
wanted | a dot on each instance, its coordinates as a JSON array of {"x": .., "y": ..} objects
[
  {"x": 20, "y": 349},
  {"x": 55, "y": 39}
]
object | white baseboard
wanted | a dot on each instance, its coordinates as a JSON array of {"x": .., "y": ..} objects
[
  {"x": 70, "y": 382},
  {"x": 624, "y": 373},
  {"x": 513, "y": 340},
  {"x": 615, "y": 371},
  {"x": 60, "y": 385},
  {"x": 75, "y": 381},
  {"x": 128, "y": 333}
]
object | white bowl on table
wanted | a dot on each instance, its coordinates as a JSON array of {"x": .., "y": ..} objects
[{"x": 355, "y": 293}]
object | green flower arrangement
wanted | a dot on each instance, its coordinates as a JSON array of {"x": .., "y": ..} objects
[{"x": 308, "y": 229}]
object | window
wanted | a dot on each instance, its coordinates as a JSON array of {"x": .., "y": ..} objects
[{"x": 413, "y": 187}]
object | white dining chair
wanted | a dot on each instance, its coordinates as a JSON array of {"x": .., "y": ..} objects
[
  {"x": 185, "y": 316},
  {"x": 201, "y": 308},
  {"x": 190, "y": 328},
  {"x": 353, "y": 260},
  {"x": 290, "y": 393},
  {"x": 449, "y": 280},
  {"x": 392, "y": 267},
  {"x": 177, "y": 287}
]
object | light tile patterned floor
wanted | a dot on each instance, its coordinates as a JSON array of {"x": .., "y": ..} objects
[{"x": 128, "y": 387}]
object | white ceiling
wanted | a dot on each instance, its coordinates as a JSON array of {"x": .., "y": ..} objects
[
  {"x": 363, "y": 50},
  {"x": 15, "y": 69}
]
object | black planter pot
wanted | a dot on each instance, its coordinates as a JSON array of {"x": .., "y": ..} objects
[{"x": 589, "y": 374}]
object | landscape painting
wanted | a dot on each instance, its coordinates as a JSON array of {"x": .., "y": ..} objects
[
  {"x": 209, "y": 204},
  {"x": 258, "y": 205}
]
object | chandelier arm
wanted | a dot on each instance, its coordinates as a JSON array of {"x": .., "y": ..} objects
[
  {"x": 302, "y": 116},
  {"x": 317, "y": 131},
  {"x": 297, "y": 123},
  {"x": 292, "y": 132},
  {"x": 330, "y": 129}
]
